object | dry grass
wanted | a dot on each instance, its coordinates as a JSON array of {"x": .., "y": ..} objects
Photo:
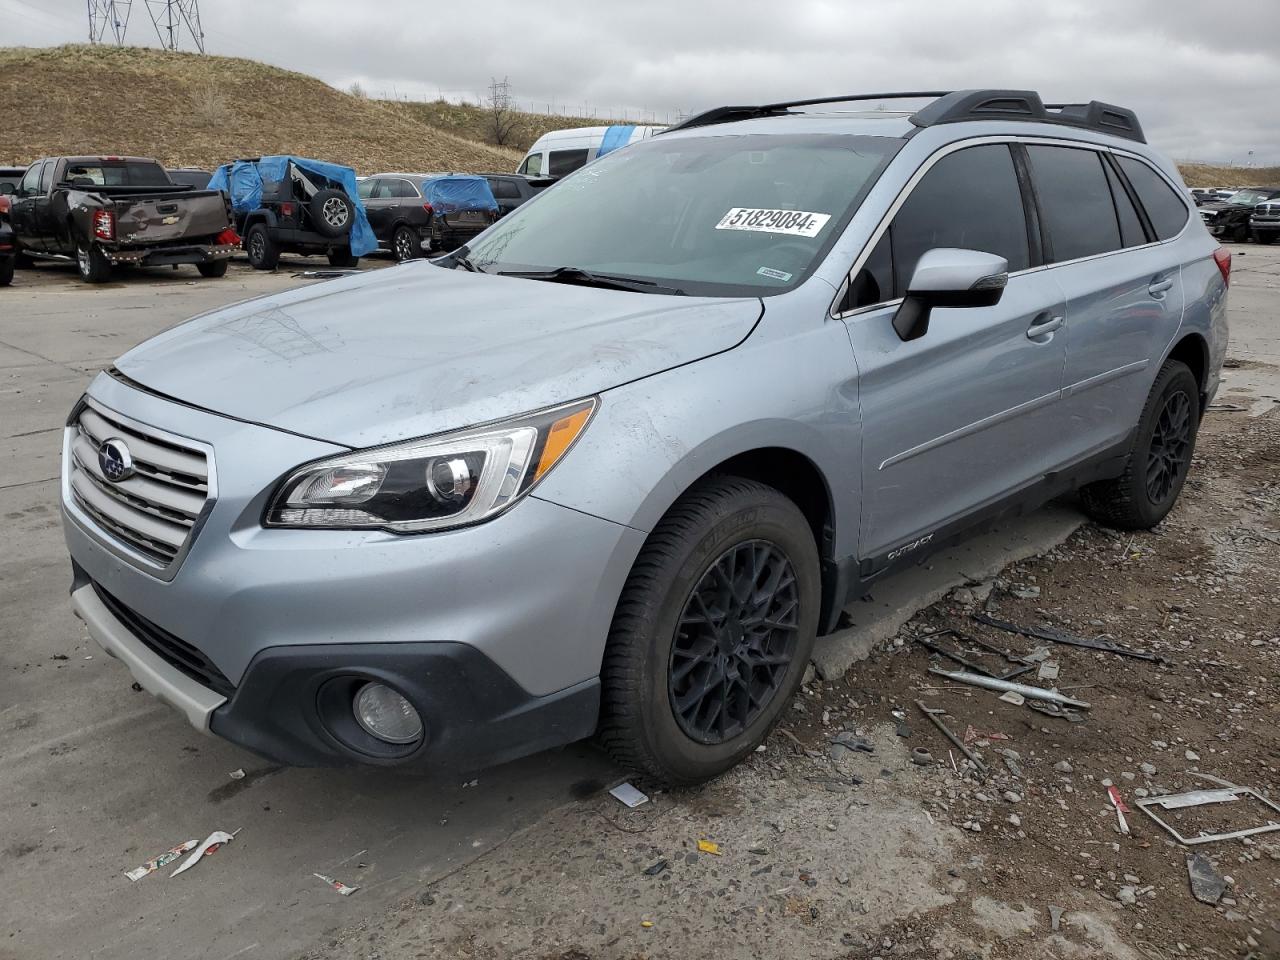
[
  {"x": 476, "y": 123},
  {"x": 191, "y": 110},
  {"x": 1203, "y": 175}
]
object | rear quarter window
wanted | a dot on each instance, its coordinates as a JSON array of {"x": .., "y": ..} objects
[
  {"x": 1165, "y": 209},
  {"x": 1075, "y": 202}
]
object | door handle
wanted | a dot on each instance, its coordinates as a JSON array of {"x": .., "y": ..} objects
[
  {"x": 1044, "y": 324},
  {"x": 1159, "y": 287}
]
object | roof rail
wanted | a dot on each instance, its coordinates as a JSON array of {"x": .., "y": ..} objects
[{"x": 954, "y": 107}]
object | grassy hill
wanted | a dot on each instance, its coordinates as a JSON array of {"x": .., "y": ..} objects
[
  {"x": 1204, "y": 175},
  {"x": 191, "y": 110},
  {"x": 476, "y": 123}
]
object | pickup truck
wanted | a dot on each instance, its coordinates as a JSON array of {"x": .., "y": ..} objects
[{"x": 101, "y": 212}]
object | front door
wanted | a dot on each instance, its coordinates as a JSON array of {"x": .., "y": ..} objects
[
  {"x": 22, "y": 209},
  {"x": 964, "y": 417}
]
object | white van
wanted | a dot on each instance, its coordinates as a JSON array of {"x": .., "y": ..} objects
[{"x": 563, "y": 151}]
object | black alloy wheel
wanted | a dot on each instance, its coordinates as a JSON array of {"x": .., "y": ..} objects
[
  {"x": 734, "y": 642},
  {"x": 1169, "y": 453}
]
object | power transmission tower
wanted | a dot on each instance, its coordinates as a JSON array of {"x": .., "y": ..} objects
[
  {"x": 170, "y": 16},
  {"x": 108, "y": 16}
]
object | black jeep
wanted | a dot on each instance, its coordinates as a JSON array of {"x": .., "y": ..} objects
[{"x": 295, "y": 205}]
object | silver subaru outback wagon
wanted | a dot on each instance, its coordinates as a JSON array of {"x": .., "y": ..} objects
[{"x": 614, "y": 466}]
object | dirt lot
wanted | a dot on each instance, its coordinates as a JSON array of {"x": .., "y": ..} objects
[{"x": 831, "y": 852}]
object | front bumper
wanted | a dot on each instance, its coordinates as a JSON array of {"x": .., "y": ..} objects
[
  {"x": 163, "y": 256},
  {"x": 495, "y": 632}
]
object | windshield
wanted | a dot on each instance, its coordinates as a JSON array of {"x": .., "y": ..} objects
[
  {"x": 713, "y": 216},
  {"x": 1247, "y": 198}
]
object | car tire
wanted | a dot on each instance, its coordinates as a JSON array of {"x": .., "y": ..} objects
[
  {"x": 1159, "y": 456},
  {"x": 332, "y": 213},
  {"x": 23, "y": 261},
  {"x": 261, "y": 248},
  {"x": 213, "y": 268},
  {"x": 1264, "y": 238},
  {"x": 92, "y": 263},
  {"x": 406, "y": 244},
  {"x": 342, "y": 258},
  {"x": 660, "y": 711},
  {"x": 6, "y": 270}
]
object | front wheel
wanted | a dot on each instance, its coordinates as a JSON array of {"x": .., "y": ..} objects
[
  {"x": 342, "y": 257},
  {"x": 1264, "y": 238},
  {"x": 712, "y": 633},
  {"x": 212, "y": 268},
  {"x": 1158, "y": 459},
  {"x": 406, "y": 244},
  {"x": 93, "y": 264}
]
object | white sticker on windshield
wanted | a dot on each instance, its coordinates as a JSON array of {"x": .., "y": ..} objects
[
  {"x": 773, "y": 274},
  {"x": 797, "y": 223}
]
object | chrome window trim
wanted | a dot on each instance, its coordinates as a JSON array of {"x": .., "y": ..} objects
[
  {"x": 122, "y": 550},
  {"x": 954, "y": 147}
]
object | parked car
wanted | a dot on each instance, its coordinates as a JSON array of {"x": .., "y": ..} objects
[
  {"x": 560, "y": 152},
  {"x": 1264, "y": 222},
  {"x": 512, "y": 189},
  {"x": 613, "y": 466},
  {"x": 1203, "y": 195},
  {"x": 462, "y": 206},
  {"x": 10, "y": 177},
  {"x": 102, "y": 212},
  {"x": 190, "y": 177},
  {"x": 287, "y": 204},
  {"x": 1229, "y": 219},
  {"x": 8, "y": 251},
  {"x": 398, "y": 213}
]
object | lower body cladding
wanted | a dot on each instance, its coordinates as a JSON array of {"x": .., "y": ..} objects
[
  {"x": 164, "y": 256},
  {"x": 458, "y": 649}
]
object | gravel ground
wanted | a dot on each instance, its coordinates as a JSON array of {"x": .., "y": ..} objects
[{"x": 831, "y": 852}]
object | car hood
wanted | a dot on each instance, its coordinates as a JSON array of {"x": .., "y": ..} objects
[
  {"x": 415, "y": 350},
  {"x": 1220, "y": 207}
]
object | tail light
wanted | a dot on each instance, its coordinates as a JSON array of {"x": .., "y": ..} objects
[
  {"x": 1222, "y": 257},
  {"x": 227, "y": 238},
  {"x": 286, "y": 209},
  {"x": 4, "y": 204},
  {"x": 104, "y": 225},
  {"x": 429, "y": 208}
]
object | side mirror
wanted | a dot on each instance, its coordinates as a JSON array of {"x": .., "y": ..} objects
[{"x": 947, "y": 277}]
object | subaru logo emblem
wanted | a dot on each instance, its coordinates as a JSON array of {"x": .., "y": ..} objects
[{"x": 115, "y": 460}]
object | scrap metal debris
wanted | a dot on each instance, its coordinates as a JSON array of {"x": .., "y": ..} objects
[
  {"x": 1055, "y": 917},
  {"x": 1117, "y": 801},
  {"x": 932, "y": 715},
  {"x": 656, "y": 868},
  {"x": 629, "y": 795},
  {"x": 1014, "y": 697},
  {"x": 210, "y": 846},
  {"x": 1207, "y": 884},
  {"x": 1055, "y": 711},
  {"x": 164, "y": 859},
  {"x": 1054, "y": 635},
  {"x": 338, "y": 885},
  {"x": 1197, "y": 798},
  {"x": 930, "y": 642},
  {"x": 991, "y": 683}
]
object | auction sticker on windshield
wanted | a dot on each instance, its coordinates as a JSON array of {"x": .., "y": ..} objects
[{"x": 797, "y": 223}]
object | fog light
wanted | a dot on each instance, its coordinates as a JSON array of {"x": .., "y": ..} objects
[{"x": 385, "y": 714}]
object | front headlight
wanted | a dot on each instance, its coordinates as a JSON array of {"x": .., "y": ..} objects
[{"x": 430, "y": 484}]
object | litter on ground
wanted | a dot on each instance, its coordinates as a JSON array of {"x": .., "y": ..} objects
[
  {"x": 629, "y": 795},
  {"x": 338, "y": 885},
  {"x": 164, "y": 859},
  {"x": 210, "y": 846}
]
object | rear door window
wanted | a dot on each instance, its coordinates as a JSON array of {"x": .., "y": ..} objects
[
  {"x": 1075, "y": 202},
  {"x": 1131, "y": 231},
  {"x": 969, "y": 199},
  {"x": 564, "y": 162},
  {"x": 1165, "y": 209},
  {"x": 504, "y": 189}
]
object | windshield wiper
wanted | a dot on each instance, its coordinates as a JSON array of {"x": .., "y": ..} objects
[
  {"x": 587, "y": 278},
  {"x": 459, "y": 258}
]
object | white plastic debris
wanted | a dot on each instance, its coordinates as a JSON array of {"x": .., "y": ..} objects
[
  {"x": 164, "y": 859},
  {"x": 1012, "y": 696},
  {"x": 237, "y": 774},
  {"x": 626, "y": 793},
  {"x": 210, "y": 846},
  {"x": 338, "y": 885}
]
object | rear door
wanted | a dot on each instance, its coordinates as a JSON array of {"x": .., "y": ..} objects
[
  {"x": 1122, "y": 284},
  {"x": 507, "y": 192},
  {"x": 959, "y": 420}
]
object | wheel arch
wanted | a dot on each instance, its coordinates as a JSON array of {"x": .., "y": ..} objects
[{"x": 1193, "y": 350}]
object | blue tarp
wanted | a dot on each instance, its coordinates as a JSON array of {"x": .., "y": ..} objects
[
  {"x": 615, "y": 136},
  {"x": 457, "y": 192},
  {"x": 243, "y": 181}
]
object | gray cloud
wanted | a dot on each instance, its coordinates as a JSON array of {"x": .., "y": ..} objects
[{"x": 1203, "y": 81}]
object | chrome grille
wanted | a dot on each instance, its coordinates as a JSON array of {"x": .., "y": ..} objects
[{"x": 154, "y": 511}]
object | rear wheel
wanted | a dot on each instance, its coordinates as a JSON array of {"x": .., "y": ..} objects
[
  {"x": 341, "y": 257},
  {"x": 712, "y": 633},
  {"x": 1159, "y": 458},
  {"x": 212, "y": 268},
  {"x": 92, "y": 263},
  {"x": 405, "y": 243},
  {"x": 261, "y": 247}
]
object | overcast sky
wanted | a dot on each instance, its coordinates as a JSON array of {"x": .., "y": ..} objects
[{"x": 1205, "y": 80}]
